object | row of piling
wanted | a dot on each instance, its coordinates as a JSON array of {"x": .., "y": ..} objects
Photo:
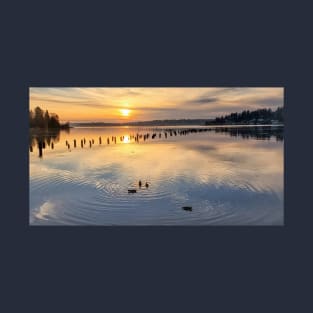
[{"x": 113, "y": 139}]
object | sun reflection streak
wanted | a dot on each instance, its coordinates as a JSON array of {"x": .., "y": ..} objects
[{"x": 126, "y": 139}]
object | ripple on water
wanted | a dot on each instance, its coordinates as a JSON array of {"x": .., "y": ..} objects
[{"x": 95, "y": 200}]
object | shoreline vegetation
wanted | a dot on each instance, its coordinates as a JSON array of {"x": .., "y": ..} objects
[
  {"x": 257, "y": 117},
  {"x": 45, "y": 128},
  {"x": 43, "y": 120}
]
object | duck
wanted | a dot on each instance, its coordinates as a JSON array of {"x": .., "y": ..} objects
[{"x": 139, "y": 183}]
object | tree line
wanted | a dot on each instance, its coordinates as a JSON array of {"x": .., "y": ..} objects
[
  {"x": 42, "y": 119},
  {"x": 261, "y": 116}
]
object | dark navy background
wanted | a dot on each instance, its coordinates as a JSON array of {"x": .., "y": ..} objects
[{"x": 156, "y": 269}]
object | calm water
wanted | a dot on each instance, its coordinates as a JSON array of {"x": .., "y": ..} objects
[{"x": 229, "y": 176}]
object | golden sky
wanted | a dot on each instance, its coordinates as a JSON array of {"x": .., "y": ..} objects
[{"x": 112, "y": 104}]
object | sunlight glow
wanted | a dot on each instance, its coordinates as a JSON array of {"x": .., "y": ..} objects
[
  {"x": 126, "y": 139},
  {"x": 124, "y": 112},
  {"x": 115, "y": 105}
]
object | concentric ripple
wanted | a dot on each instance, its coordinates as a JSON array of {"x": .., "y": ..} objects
[{"x": 226, "y": 184}]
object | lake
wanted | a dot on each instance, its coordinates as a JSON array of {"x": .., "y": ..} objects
[{"x": 221, "y": 175}]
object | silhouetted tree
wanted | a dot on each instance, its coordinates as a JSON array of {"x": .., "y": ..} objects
[
  {"x": 250, "y": 117},
  {"x": 31, "y": 119},
  {"x": 46, "y": 119},
  {"x": 41, "y": 119},
  {"x": 54, "y": 121}
]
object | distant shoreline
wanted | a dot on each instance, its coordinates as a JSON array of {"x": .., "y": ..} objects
[
  {"x": 182, "y": 125},
  {"x": 116, "y": 125},
  {"x": 162, "y": 123}
]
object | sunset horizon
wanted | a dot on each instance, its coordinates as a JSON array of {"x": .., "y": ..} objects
[
  {"x": 121, "y": 104},
  {"x": 156, "y": 156}
]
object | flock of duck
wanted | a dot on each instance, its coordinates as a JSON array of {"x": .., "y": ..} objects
[
  {"x": 134, "y": 190},
  {"x": 140, "y": 184},
  {"x": 137, "y": 138}
]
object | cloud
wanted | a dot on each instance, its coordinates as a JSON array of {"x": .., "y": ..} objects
[
  {"x": 133, "y": 93},
  {"x": 153, "y": 103},
  {"x": 270, "y": 101},
  {"x": 45, "y": 210},
  {"x": 163, "y": 109},
  {"x": 201, "y": 100},
  {"x": 65, "y": 100}
]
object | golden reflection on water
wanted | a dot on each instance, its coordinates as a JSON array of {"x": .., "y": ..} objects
[
  {"x": 215, "y": 172},
  {"x": 203, "y": 158},
  {"x": 126, "y": 139}
]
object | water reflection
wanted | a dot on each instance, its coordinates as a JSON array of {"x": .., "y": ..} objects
[
  {"x": 117, "y": 135},
  {"x": 227, "y": 178},
  {"x": 257, "y": 132},
  {"x": 126, "y": 139},
  {"x": 42, "y": 139}
]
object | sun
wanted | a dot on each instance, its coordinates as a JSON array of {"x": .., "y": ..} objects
[{"x": 125, "y": 112}]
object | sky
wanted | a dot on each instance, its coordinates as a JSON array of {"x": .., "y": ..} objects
[{"x": 112, "y": 104}]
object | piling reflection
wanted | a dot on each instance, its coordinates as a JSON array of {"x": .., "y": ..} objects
[
  {"x": 211, "y": 176},
  {"x": 254, "y": 132},
  {"x": 111, "y": 136}
]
